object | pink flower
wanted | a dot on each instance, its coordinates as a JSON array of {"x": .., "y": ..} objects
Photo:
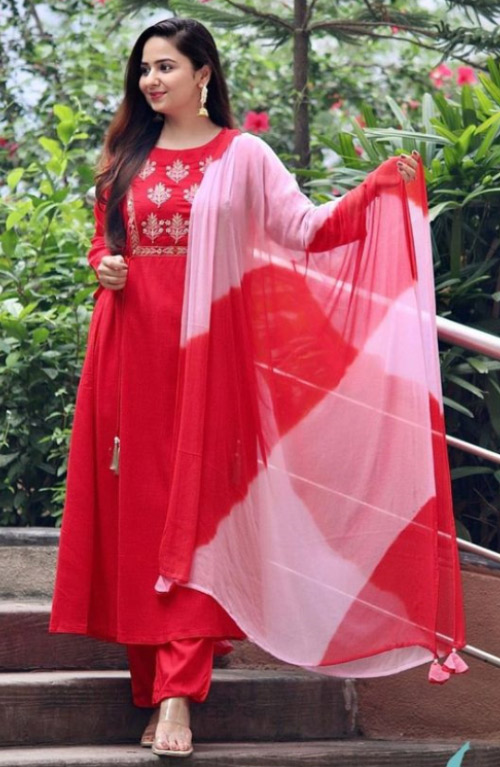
[
  {"x": 358, "y": 150},
  {"x": 466, "y": 76},
  {"x": 13, "y": 149},
  {"x": 413, "y": 103},
  {"x": 394, "y": 30},
  {"x": 360, "y": 121},
  {"x": 257, "y": 122},
  {"x": 337, "y": 104},
  {"x": 439, "y": 74},
  {"x": 3, "y": 141}
]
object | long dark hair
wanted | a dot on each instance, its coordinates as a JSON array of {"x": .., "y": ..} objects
[{"x": 134, "y": 130}]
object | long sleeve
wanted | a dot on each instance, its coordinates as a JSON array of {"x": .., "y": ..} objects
[
  {"x": 293, "y": 221},
  {"x": 98, "y": 247}
]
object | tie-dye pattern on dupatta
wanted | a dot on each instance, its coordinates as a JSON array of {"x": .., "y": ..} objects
[{"x": 310, "y": 460}]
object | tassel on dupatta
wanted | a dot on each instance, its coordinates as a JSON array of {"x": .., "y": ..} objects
[
  {"x": 438, "y": 674},
  {"x": 454, "y": 664}
]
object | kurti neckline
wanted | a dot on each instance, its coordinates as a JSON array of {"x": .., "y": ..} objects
[{"x": 193, "y": 149}]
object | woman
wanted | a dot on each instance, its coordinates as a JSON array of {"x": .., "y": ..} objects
[{"x": 212, "y": 345}]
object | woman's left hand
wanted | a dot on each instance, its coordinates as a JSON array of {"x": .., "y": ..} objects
[{"x": 407, "y": 166}]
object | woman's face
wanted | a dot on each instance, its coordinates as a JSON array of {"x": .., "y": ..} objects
[{"x": 168, "y": 80}]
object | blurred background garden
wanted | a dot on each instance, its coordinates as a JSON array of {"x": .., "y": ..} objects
[{"x": 335, "y": 86}]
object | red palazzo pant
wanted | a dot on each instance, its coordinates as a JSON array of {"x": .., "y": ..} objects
[{"x": 181, "y": 668}]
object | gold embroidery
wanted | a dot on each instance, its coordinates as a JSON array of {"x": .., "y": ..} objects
[
  {"x": 159, "y": 194},
  {"x": 177, "y": 171},
  {"x": 148, "y": 168},
  {"x": 176, "y": 227},
  {"x": 136, "y": 248},
  {"x": 153, "y": 226},
  {"x": 190, "y": 193},
  {"x": 160, "y": 250},
  {"x": 205, "y": 163}
]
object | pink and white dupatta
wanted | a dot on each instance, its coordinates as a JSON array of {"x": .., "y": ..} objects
[{"x": 310, "y": 490}]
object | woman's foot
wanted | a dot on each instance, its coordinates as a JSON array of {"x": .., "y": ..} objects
[
  {"x": 148, "y": 735},
  {"x": 173, "y": 736}
]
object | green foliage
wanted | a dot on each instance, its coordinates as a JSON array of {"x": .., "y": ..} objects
[{"x": 44, "y": 312}]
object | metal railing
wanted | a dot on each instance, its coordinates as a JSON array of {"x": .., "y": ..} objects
[{"x": 489, "y": 345}]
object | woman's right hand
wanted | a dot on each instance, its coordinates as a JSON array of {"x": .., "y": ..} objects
[{"x": 112, "y": 272}]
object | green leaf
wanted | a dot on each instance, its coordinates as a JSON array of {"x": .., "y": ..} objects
[
  {"x": 477, "y": 364},
  {"x": 40, "y": 335},
  {"x": 52, "y": 373},
  {"x": 490, "y": 86},
  {"x": 464, "y": 384},
  {"x": 487, "y": 123},
  {"x": 11, "y": 359},
  {"x": 399, "y": 114},
  {"x": 484, "y": 102},
  {"x": 469, "y": 471},
  {"x": 465, "y": 139},
  {"x": 6, "y": 458},
  {"x": 65, "y": 130},
  {"x": 64, "y": 112},
  {"x": 14, "y": 328},
  {"x": 18, "y": 214},
  {"x": 27, "y": 309},
  {"x": 443, "y": 131},
  {"x": 468, "y": 106},
  {"x": 458, "y": 407},
  {"x": 14, "y": 177},
  {"x": 370, "y": 150},
  {"x": 488, "y": 140},
  {"x": 51, "y": 146},
  {"x": 481, "y": 192},
  {"x": 440, "y": 208}
]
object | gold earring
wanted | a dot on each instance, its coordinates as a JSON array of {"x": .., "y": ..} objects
[{"x": 202, "y": 112}]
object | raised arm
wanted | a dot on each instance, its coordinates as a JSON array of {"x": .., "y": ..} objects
[{"x": 292, "y": 220}]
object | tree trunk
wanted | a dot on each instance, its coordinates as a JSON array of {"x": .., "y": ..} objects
[{"x": 300, "y": 79}]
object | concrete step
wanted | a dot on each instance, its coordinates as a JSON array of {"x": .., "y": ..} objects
[
  {"x": 27, "y": 562},
  {"x": 26, "y": 644},
  {"x": 81, "y": 707},
  {"x": 343, "y": 753}
]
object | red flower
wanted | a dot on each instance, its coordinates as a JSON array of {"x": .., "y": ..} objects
[
  {"x": 360, "y": 121},
  {"x": 337, "y": 104},
  {"x": 394, "y": 30},
  {"x": 13, "y": 149},
  {"x": 466, "y": 76},
  {"x": 257, "y": 122},
  {"x": 3, "y": 141},
  {"x": 439, "y": 74}
]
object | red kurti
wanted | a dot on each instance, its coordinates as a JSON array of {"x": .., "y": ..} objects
[{"x": 108, "y": 555}]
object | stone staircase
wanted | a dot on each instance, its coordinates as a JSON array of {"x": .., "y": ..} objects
[{"x": 65, "y": 700}]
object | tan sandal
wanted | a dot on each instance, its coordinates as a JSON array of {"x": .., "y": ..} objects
[
  {"x": 167, "y": 714},
  {"x": 148, "y": 736}
]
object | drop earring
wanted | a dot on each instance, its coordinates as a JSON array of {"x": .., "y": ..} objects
[{"x": 202, "y": 112}]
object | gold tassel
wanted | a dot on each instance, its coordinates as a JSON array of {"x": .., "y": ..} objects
[{"x": 115, "y": 460}]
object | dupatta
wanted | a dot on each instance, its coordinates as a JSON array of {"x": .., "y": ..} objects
[{"x": 310, "y": 493}]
